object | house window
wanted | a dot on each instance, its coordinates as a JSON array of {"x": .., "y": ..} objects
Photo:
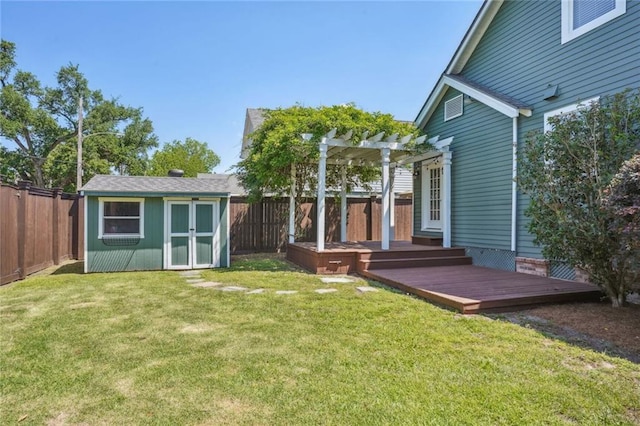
[
  {"x": 121, "y": 217},
  {"x": 432, "y": 196},
  {"x": 582, "y": 16},
  {"x": 453, "y": 108},
  {"x": 566, "y": 110}
]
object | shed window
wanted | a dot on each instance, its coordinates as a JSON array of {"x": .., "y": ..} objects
[
  {"x": 121, "y": 217},
  {"x": 582, "y": 16}
]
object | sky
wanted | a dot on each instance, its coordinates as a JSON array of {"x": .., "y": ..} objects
[{"x": 195, "y": 67}]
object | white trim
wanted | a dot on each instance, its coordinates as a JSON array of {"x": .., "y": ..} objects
[
  {"x": 426, "y": 223},
  {"x": 86, "y": 233},
  {"x": 514, "y": 185},
  {"x": 446, "y": 197},
  {"x": 567, "y": 109},
  {"x": 366, "y": 144},
  {"x": 228, "y": 211},
  {"x": 102, "y": 200},
  {"x": 447, "y": 103},
  {"x": 568, "y": 33}
]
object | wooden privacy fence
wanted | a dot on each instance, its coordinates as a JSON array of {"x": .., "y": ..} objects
[
  {"x": 263, "y": 226},
  {"x": 38, "y": 228}
]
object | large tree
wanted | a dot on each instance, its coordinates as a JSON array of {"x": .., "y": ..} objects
[
  {"x": 567, "y": 172},
  {"x": 277, "y": 144},
  {"x": 190, "y": 156},
  {"x": 42, "y": 123}
]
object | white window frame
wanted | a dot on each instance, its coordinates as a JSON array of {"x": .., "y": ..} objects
[
  {"x": 567, "y": 110},
  {"x": 568, "y": 33},
  {"x": 461, "y": 97},
  {"x": 427, "y": 224},
  {"x": 102, "y": 200}
]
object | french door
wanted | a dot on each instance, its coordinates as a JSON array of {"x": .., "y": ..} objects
[
  {"x": 432, "y": 197},
  {"x": 192, "y": 236}
]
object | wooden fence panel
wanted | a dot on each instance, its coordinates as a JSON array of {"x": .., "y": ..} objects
[
  {"x": 263, "y": 226},
  {"x": 39, "y": 228}
]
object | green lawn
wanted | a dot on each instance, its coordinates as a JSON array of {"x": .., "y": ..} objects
[{"x": 147, "y": 348}]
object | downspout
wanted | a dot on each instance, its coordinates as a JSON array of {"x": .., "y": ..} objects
[{"x": 514, "y": 186}]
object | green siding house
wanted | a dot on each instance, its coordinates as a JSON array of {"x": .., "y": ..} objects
[
  {"x": 519, "y": 63},
  {"x": 149, "y": 223}
]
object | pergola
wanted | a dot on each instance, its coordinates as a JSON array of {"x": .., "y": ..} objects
[{"x": 341, "y": 150}]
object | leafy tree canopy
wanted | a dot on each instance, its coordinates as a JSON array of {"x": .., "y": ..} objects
[
  {"x": 42, "y": 123},
  {"x": 567, "y": 173},
  {"x": 277, "y": 144},
  {"x": 191, "y": 156}
]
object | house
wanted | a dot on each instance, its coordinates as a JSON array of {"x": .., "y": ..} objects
[
  {"x": 519, "y": 63},
  {"x": 152, "y": 223}
]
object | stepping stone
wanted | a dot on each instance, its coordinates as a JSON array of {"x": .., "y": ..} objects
[
  {"x": 341, "y": 280},
  {"x": 286, "y": 292},
  {"x": 256, "y": 291},
  {"x": 366, "y": 289},
  {"x": 325, "y": 290},
  {"x": 195, "y": 280},
  {"x": 233, "y": 288},
  {"x": 206, "y": 284},
  {"x": 189, "y": 273}
]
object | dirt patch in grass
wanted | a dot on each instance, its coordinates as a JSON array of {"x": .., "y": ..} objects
[{"x": 597, "y": 326}]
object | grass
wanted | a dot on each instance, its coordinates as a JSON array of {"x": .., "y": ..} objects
[{"x": 147, "y": 348}]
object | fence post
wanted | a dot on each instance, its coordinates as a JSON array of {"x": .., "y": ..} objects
[
  {"x": 55, "y": 218},
  {"x": 21, "y": 241}
]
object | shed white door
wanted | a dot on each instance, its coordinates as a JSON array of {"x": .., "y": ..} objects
[{"x": 192, "y": 236}]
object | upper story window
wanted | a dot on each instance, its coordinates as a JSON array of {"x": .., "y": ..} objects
[
  {"x": 121, "y": 217},
  {"x": 582, "y": 16}
]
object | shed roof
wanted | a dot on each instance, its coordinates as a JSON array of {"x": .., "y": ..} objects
[
  {"x": 231, "y": 180},
  {"x": 155, "y": 185}
]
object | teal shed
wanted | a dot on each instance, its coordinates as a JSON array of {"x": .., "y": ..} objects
[{"x": 137, "y": 223}]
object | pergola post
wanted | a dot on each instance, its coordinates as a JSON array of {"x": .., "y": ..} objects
[
  {"x": 386, "y": 159},
  {"x": 292, "y": 206},
  {"x": 392, "y": 212},
  {"x": 446, "y": 197},
  {"x": 343, "y": 206},
  {"x": 322, "y": 177}
]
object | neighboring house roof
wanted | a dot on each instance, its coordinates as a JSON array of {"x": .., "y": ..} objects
[
  {"x": 254, "y": 119},
  {"x": 107, "y": 184},
  {"x": 232, "y": 182},
  {"x": 451, "y": 78}
]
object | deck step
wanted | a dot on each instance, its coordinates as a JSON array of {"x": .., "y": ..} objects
[
  {"x": 426, "y": 240},
  {"x": 366, "y": 265},
  {"x": 412, "y": 254}
]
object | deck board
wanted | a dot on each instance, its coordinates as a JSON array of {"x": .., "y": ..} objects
[{"x": 474, "y": 289}]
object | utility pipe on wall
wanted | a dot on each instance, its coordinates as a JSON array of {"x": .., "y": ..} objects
[{"x": 514, "y": 186}]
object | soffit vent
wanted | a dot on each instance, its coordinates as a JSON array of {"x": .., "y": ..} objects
[{"x": 453, "y": 108}]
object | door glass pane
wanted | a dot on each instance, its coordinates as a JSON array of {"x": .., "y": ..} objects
[
  {"x": 204, "y": 218},
  {"x": 179, "y": 218},
  {"x": 179, "y": 251},
  {"x": 204, "y": 250}
]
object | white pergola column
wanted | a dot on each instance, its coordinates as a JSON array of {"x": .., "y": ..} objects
[
  {"x": 446, "y": 197},
  {"x": 292, "y": 206},
  {"x": 386, "y": 190},
  {"x": 322, "y": 177},
  {"x": 392, "y": 209},
  {"x": 343, "y": 206}
]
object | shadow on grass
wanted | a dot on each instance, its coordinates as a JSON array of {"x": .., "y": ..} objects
[
  {"x": 70, "y": 268},
  {"x": 566, "y": 334},
  {"x": 267, "y": 262}
]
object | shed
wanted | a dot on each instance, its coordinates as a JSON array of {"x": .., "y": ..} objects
[{"x": 152, "y": 223}]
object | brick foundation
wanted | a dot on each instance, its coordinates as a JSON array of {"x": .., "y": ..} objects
[{"x": 527, "y": 265}]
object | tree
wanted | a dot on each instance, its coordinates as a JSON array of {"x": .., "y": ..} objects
[
  {"x": 190, "y": 156},
  {"x": 277, "y": 144},
  {"x": 43, "y": 124},
  {"x": 566, "y": 173}
]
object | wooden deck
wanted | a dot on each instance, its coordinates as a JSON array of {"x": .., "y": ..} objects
[
  {"x": 473, "y": 289},
  {"x": 441, "y": 275}
]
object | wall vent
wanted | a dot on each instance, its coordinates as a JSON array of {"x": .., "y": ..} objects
[{"x": 453, "y": 108}]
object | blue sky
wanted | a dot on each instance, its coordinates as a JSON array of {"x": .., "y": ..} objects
[{"x": 196, "y": 66}]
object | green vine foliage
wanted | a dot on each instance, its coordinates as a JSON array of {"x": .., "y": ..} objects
[
  {"x": 567, "y": 173},
  {"x": 278, "y": 144}
]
